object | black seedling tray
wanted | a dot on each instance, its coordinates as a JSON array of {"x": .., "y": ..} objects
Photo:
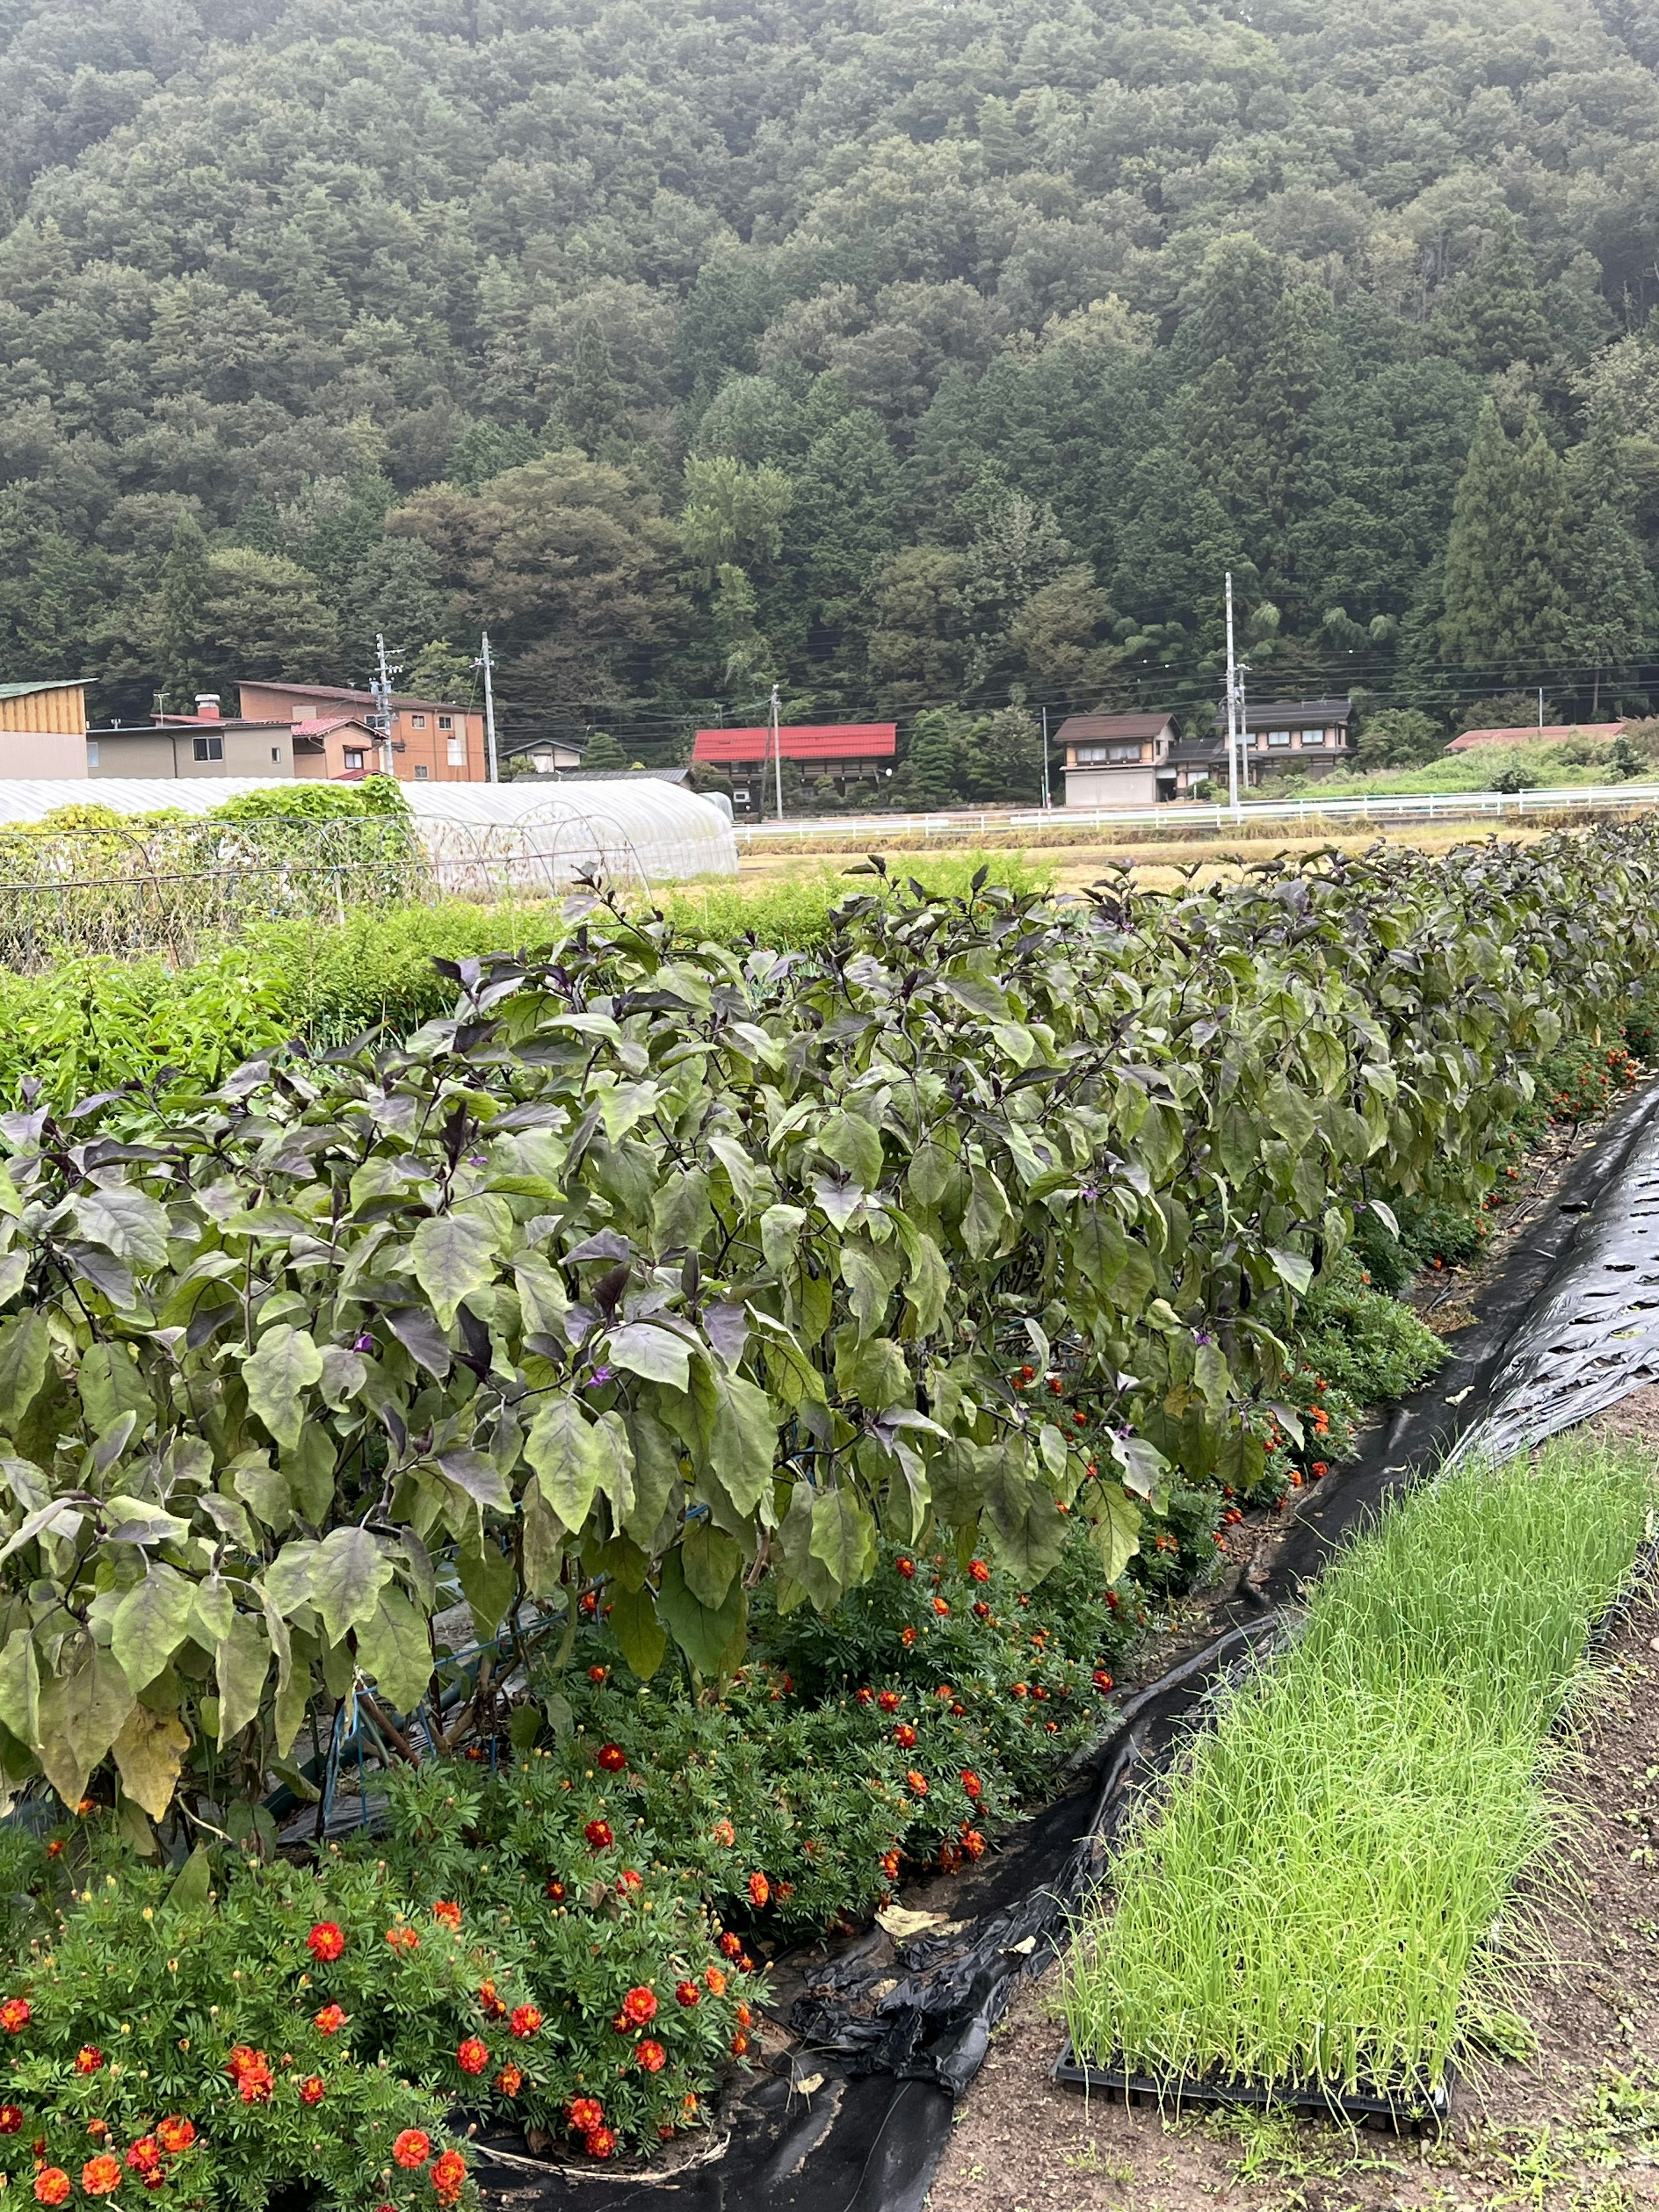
[{"x": 1404, "y": 2112}]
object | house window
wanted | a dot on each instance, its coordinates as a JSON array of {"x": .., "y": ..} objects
[
  {"x": 423, "y": 773},
  {"x": 458, "y": 752},
  {"x": 1312, "y": 737},
  {"x": 208, "y": 749},
  {"x": 354, "y": 758},
  {"x": 445, "y": 722},
  {"x": 1279, "y": 736},
  {"x": 92, "y": 752},
  {"x": 276, "y": 752},
  {"x": 417, "y": 721},
  {"x": 1123, "y": 752}
]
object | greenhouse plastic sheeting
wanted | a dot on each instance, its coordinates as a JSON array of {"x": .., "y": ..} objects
[
  {"x": 859, "y": 2115},
  {"x": 482, "y": 837}
]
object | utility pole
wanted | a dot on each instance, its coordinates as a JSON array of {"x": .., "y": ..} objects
[
  {"x": 382, "y": 689},
  {"x": 777, "y": 752},
  {"x": 1541, "y": 705},
  {"x": 1046, "y": 802},
  {"x": 1232, "y": 707},
  {"x": 491, "y": 769}
]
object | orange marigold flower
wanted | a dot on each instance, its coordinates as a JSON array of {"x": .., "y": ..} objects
[
  {"x": 907, "y": 1637},
  {"x": 526, "y": 2018},
  {"x": 325, "y": 1942},
  {"x": 329, "y": 2021},
  {"x": 145, "y": 2155},
  {"x": 651, "y": 2055},
  {"x": 473, "y": 2056},
  {"x": 599, "y": 1835},
  {"x": 744, "y": 2016},
  {"x": 175, "y": 2134},
  {"x": 448, "y": 2177},
  {"x": 715, "y": 1981},
  {"x": 101, "y": 2175},
  {"x": 600, "y": 2143},
  {"x": 629, "y": 1882},
  {"x": 739, "y": 2044},
  {"x": 88, "y": 2058},
  {"x": 510, "y": 2080},
  {"x": 973, "y": 1842},
  {"x": 940, "y": 1606},
  {"x": 725, "y": 1834},
  {"x": 16, "y": 2014},
  {"x": 640, "y": 2007},
  {"x": 55, "y": 1848},
  {"x": 760, "y": 1890},
  {"x": 612, "y": 1758},
  {"x": 971, "y": 1783},
  {"x": 492, "y": 2007},
  {"x": 731, "y": 1945},
  {"x": 979, "y": 1571},
  {"x": 52, "y": 2185},
  {"x": 413, "y": 2147},
  {"x": 584, "y": 2114},
  {"x": 312, "y": 2090},
  {"x": 403, "y": 1939},
  {"x": 889, "y": 1865},
  {"x": 917, "y": 1782},
  {"x": 450, "y": 1914}
]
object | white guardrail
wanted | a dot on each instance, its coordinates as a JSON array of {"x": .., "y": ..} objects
[{"x": 1427, "y": 806}]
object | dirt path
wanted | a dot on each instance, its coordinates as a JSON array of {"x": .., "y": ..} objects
[{"x": 1572, "y": 2126}]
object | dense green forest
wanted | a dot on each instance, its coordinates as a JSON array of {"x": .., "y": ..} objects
[{"x": 916, "y": 356}]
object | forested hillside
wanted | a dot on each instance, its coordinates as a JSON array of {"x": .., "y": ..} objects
[{"x": 917, "y": 356}]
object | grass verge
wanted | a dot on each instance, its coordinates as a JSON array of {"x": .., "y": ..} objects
[{"x": 1314, "y": 1899}]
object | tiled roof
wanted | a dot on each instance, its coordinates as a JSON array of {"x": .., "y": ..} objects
[{"x": 1091, "y": 729}]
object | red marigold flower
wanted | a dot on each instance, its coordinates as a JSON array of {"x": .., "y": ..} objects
[
  {"x": 557, "y": 1890},
  {"x": 739, "y": 2044},
  {"x": 256, "y": 2085},
  {"x": 16, "y": 2014},
  {"x": 865, "y": 1697},
  {"x": 973, "y": 1842},
  {"x": 473, "y": 2056},
  {"x": 584, "y": 2114},
  {"x": 55, "y": 1848},
  {"x": 917, "y": 1782},
  {"x": 979, "y": 1571},
  {"x": 52, "y": 2185},
  {"x": 88, "y": 2058},
  {"x": 175, "y": 2134},
  {"x": 509, "y": 2080},
  {"x": 312, "y": 2090},
  {"x": 640, "y": 2007},
  {"x": 971, "y": 1783},
  {"x": 600, "y": 2143},
  {"x": 940, "y": 1608},
  {"x": 716, "y": 1982},
  {"x": 688, "y": 1993},
  {"x": 11, "y": 2119},
  {"x": 449, "y": 1914},
  {"x": 725, "y": 1834},
  {"x": 325, "y": 1942},
  {"x": 760, "y": 1890},
  {"x": 1103, "y": 1680},
  {"x": 629, "y": 1881},
  {"x": 329, "y": 2021},
  {"x": 889, "y": 1701},
  {"x": 906, "y": 1637},
  {"x": 651, "y": 2055},
  {"x": 904, "y": 1735},
  {"x": 526, "y": 2018},
  {"x": 145, "y": 2155},
  {"x": 448, "y": 2177},
  {"x": 597, "y": 1674},
  {"x": 412, "y": 2147},
  {"x": 102, "y": 2175},
  {"x": 907, "y": 1568},
  {"x": 982, "y": 1611},
  {"x": 403, "y": 1939},
  {"x": 612, "y": 1758},
  {"x": 1019, "y": 1690},
  {"x": 598, "y": 1836}
]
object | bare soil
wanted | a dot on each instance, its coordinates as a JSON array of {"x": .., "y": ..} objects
[{"x": 1571, "y": 2125}]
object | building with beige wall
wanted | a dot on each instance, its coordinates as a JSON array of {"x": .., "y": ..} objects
[
  {"x": 205, "y": 744},
  {"x": 43, "y": 731}
]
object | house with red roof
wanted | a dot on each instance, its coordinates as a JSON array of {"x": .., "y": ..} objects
[{"x": 852, "y": 755}]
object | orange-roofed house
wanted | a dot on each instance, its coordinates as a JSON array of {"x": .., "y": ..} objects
[
  {"x": 1606, "y": 731},
  {"x": 852, "y": 755}
]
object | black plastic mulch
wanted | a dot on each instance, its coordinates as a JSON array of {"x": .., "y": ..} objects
[{"x": 858, "y": 2117}]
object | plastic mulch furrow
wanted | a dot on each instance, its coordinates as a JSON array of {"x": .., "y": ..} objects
[
  {"x": 858, "y": 2116},
  {"x": 1411, "y": 2110}
]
